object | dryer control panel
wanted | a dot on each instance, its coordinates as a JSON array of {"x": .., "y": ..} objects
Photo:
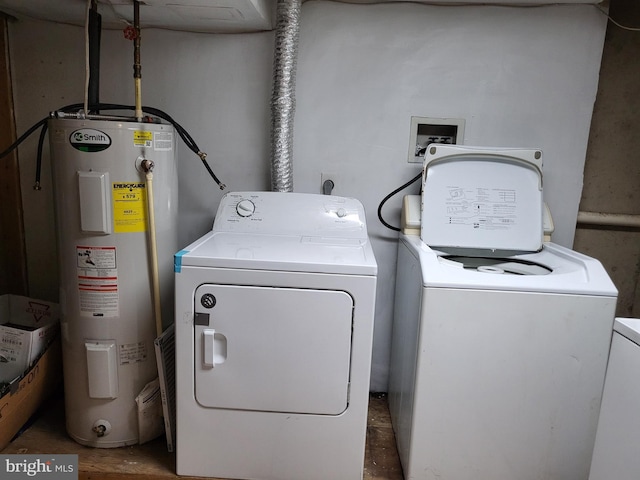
[{"x": 291, "y": 213}]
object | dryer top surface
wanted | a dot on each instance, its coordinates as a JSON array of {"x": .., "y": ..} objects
[
  {"x": 285, "y": 232},
  {"x": 280, "y": 253}
]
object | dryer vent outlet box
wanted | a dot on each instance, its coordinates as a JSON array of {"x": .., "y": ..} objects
[{"x": 426, "y": 130}]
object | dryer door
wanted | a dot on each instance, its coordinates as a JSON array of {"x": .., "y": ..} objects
[{"x": 272, "y": 349}]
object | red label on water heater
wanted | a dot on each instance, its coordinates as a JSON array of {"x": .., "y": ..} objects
[{"x": 97, "y": 281}]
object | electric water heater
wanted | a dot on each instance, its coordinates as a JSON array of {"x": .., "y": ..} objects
[{"x": 107, "y": 300}]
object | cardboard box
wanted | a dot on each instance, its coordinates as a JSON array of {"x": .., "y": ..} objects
[
  {"x": 25, "y": 396},
  {"x": 27, "y": 326}
]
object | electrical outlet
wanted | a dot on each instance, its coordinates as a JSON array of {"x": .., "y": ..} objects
[
  {"x": 426, "y": 130},
  {"x": 329, "y": 188}
]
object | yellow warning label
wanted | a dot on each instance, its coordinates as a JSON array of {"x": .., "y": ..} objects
[
  {"x": 129, "y": 207},
  {"x": 142, "y": 138}
]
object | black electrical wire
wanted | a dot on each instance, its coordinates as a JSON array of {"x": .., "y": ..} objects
[
  {"x": 43, "y": 132},
  {"x": 385, "y": 199},
  {"x": 184, "y": 135}
]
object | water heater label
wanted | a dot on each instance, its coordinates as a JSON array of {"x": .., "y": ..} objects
[
  {"x": 89, "y": 140},
  {"x": 133, "y": 353},
  {"x": 142, "y": 138},
  {"x": 129, "y": 207},
  {"x": 163, "y": 141},
  {"x": 97, "y": 281}
]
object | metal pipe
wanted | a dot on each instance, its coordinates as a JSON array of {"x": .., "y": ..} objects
[
  {"x": 82, "y": 116},
  {"x": 283, "y": 97},
  {"x": 609, "y": 219}
]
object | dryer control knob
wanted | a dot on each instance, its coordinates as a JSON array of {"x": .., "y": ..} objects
[{"x": 245, "y": 208}]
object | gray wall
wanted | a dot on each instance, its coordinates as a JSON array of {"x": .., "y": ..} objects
[
  {"x": 523, "y": 77},
  {"x": 612, "y": 170}
]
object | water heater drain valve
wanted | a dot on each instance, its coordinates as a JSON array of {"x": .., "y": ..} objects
[
  {"x": 101, "y": 428},
  {"x": 147, "y": 165}
]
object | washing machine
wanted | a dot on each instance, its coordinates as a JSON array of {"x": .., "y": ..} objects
[
  {"x": 500, "y": 339},
  {"x": 274, "y": 325},
  {"x": 615, "y": 455}
]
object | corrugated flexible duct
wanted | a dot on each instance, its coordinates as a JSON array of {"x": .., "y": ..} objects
[{"x": 283, "y": 100}]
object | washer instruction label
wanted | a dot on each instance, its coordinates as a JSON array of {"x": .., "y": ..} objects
[
  {"x": 129, "y": 207},
  {"x": 482, "y": 208},
  {"x": 97, "y": 281}
]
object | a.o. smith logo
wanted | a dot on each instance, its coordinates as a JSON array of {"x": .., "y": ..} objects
[{"x": 89, "y": 140}]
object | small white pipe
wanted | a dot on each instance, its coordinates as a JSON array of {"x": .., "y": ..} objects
[
  {"x": 153, "y": 254},
  {"x": 609, "y": 219}
]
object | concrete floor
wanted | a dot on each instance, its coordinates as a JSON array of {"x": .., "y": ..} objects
[{"x": 381, "y": 457}]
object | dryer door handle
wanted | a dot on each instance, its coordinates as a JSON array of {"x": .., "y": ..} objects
[
  {"x": 214, "y": 348},
  {"x": 208, "y": 347}
]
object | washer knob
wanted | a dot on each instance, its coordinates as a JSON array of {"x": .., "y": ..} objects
[{"x": 245, "y": 208}]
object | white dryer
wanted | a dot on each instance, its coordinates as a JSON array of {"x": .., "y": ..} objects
[
  {"x": 500, "y": 341},
  {"x": 615, "y": 455},
  {"x": 274, "y": 324}
]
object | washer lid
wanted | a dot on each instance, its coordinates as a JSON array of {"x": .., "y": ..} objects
[
  {"x": 629, "y": 328},
  {"x": 486, "y": 200}
]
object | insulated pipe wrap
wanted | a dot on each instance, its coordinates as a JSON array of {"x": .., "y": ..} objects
[
  {"x": 95, "y": 31},
  {"x": 283, "y": 100}
]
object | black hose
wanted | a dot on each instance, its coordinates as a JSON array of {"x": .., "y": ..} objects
[
  {"x": 22, "y": 138},
  {"x": 384, "y": 200},
  {"x": 184, "y": 135}
]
